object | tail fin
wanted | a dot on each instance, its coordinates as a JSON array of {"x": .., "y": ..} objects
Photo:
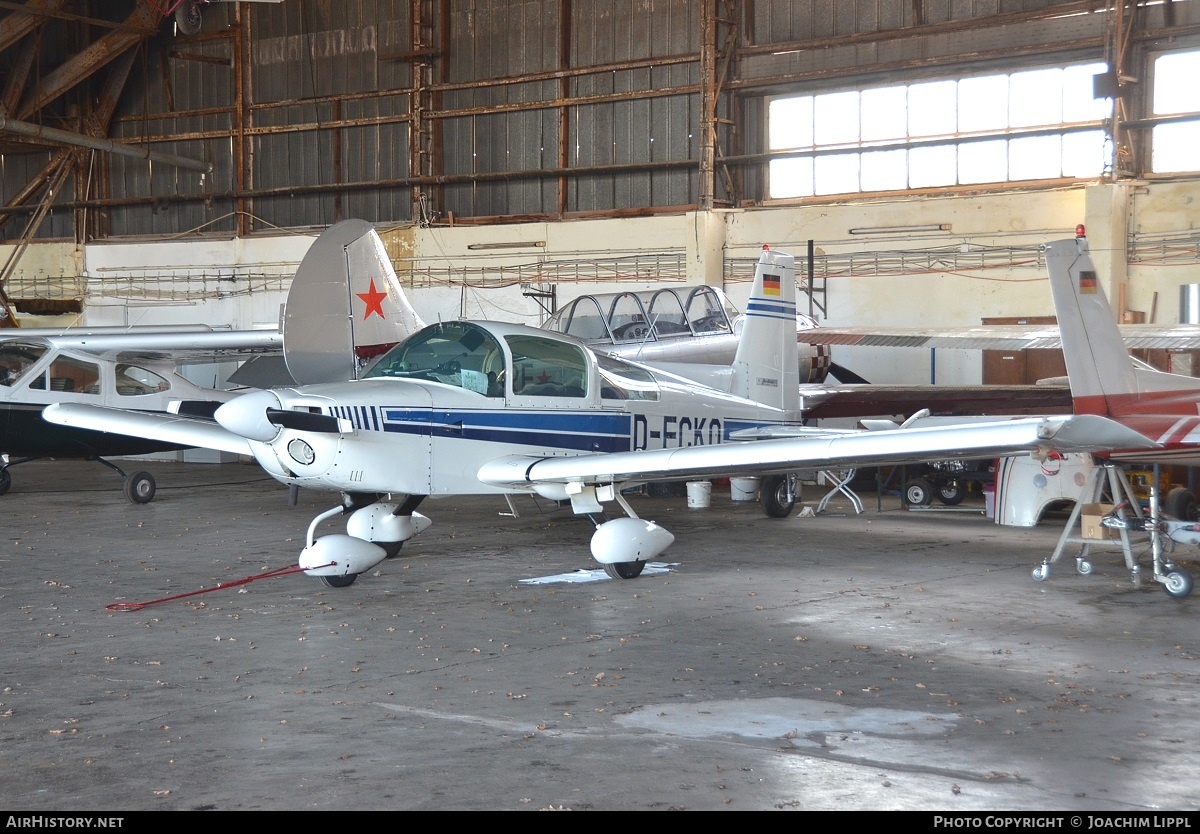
[
  {"x": 1103, "y": 377},
  {"x": 766, "y": 368},
  {"x": 345, "y": 306}
]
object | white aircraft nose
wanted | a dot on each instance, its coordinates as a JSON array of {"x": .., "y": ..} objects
[{"x": 247, "y": 416}]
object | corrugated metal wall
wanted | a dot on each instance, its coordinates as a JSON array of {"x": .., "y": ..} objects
[{"x": 527, "y": 108}]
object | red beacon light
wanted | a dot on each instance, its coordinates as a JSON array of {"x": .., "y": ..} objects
[{"x": 1080, "y": 231}]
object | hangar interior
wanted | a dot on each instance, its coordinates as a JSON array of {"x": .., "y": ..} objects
[{"x": 170, "y": 161}]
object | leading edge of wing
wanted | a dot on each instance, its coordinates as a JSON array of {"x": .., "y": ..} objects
[
  {"x": 996, "y": 336},
  {"x": 839, "y": 450},
  {"x": 182, "y": 347},
  {"x": 169, "y": 428}
]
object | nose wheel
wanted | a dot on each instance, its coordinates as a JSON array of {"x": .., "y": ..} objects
[{"x": 1177, "y": 583}]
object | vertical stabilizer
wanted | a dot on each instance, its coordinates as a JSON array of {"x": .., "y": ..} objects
[
  {"x": 1103, "y": 377},
  {"x": 766, "y": 368},
  {"x": 345, "y": 306}
]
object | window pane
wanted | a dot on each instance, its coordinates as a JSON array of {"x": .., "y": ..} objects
[
  {"x": 1176, "y": 147},
  {"x": 836, "y": 174},
  {"x": 790, "y": 123},
  {"x": 1175, "y": 87},
  {"x": 791, "y": 178},
  {"x": 1035, "y": 158},
  {"x": 884, "y": 113},
  {"x": 983, "y": 103},
  {"x": 885, "y": 170},
  {"x": 889, "y": 118},
  {"x": 1084, "y": 154},
  {"x": 1078, "y": 104},
  {"x": 1035, "y": 98},
  {"x": 983, "y": 161},
  {"x": 931, "y": 108},
  {"x": 931, "y": 166},
  {"x": 836, "y": 118}
]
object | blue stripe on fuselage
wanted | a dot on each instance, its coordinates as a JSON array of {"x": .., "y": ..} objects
[
  {"x": 566, "y": 430},
  {"x": 574, "y": 431}
]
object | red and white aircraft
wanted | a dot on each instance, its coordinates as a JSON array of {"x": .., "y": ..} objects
[{"x": 1104, "y": 378}]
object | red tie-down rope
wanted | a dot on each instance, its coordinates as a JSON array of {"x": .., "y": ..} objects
[{"x": 220, "y": 586}]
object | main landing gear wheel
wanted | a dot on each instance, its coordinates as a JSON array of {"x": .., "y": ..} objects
[
  {"x": 918, "y": 493},
  {"x": 951, "y": 494},
  {"x": 5, "y": 480},
  {"x": 1041, "y": 573},
  {"x": 624, "y": 570},
  {"x": 340, "y": 581},
  {"x": 1181, "y": 504},
  {"x": 1178, "y": 584},
  {"x": 140, "y": 487},
  {"x": 777, "y": 496}
]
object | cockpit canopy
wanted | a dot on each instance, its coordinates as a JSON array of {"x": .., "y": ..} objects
[
  {"x": 619, "y": 318},
  {"x": 514, "y": 361}
]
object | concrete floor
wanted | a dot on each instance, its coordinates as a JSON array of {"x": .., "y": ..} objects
[{"x": 892, "y": 660}]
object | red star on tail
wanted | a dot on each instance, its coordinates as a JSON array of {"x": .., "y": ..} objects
[{"x": 374, "y": 301}]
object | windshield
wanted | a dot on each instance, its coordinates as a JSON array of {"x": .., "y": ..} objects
[
  {"x": 457, "y": 353},
  {"x": 16, "y": 358}
]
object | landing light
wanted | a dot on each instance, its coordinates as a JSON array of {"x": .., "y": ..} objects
[{"x": 301, "y": 452}]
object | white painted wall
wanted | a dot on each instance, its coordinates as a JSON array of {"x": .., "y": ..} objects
[{"x": 943, "y": 297}]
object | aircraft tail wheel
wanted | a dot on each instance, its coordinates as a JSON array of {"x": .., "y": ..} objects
[
  {"x": 1178, "y": 583},
  {"x": 188, "y": 18},
  {"x": 140, "y": 487},
  {"x": 5, "y": 480},
  {"x": 1041, "y": 573}
]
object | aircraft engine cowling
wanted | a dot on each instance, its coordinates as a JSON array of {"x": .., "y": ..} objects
[
  {"x": 629, "y": 540},
  {"x": 349, "y": 556},
  {"x": 376, "y": 523}
]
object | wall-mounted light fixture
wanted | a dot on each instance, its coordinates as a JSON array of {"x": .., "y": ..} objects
[
  {"x": 514, "y": 244},
  {"x": 900, "y": 230}
]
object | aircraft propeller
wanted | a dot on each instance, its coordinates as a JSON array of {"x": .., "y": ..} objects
[{"x": 303, "y": 421}]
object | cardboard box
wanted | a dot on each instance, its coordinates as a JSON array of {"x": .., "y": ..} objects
[{"x": 1089, "y": 519}]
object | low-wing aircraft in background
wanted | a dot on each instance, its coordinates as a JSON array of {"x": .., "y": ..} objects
[
  {"x": 472, "y": 407},
  {"x": 330, "y": 332}
]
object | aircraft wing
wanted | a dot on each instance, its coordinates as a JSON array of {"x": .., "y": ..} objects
[
  {"x": 998, "y": 337},
  {"x": 182, "y": 346},
  {"x": 168, "y": 428},
  {"x": 831, "y": 450}
]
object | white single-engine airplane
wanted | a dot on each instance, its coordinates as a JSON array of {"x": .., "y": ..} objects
[{"x": 472, "y": 407}]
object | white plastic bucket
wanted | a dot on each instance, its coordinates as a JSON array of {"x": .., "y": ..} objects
[
  {"x": 699, "y": 494},
  {"x": 743, "y": 489}
]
